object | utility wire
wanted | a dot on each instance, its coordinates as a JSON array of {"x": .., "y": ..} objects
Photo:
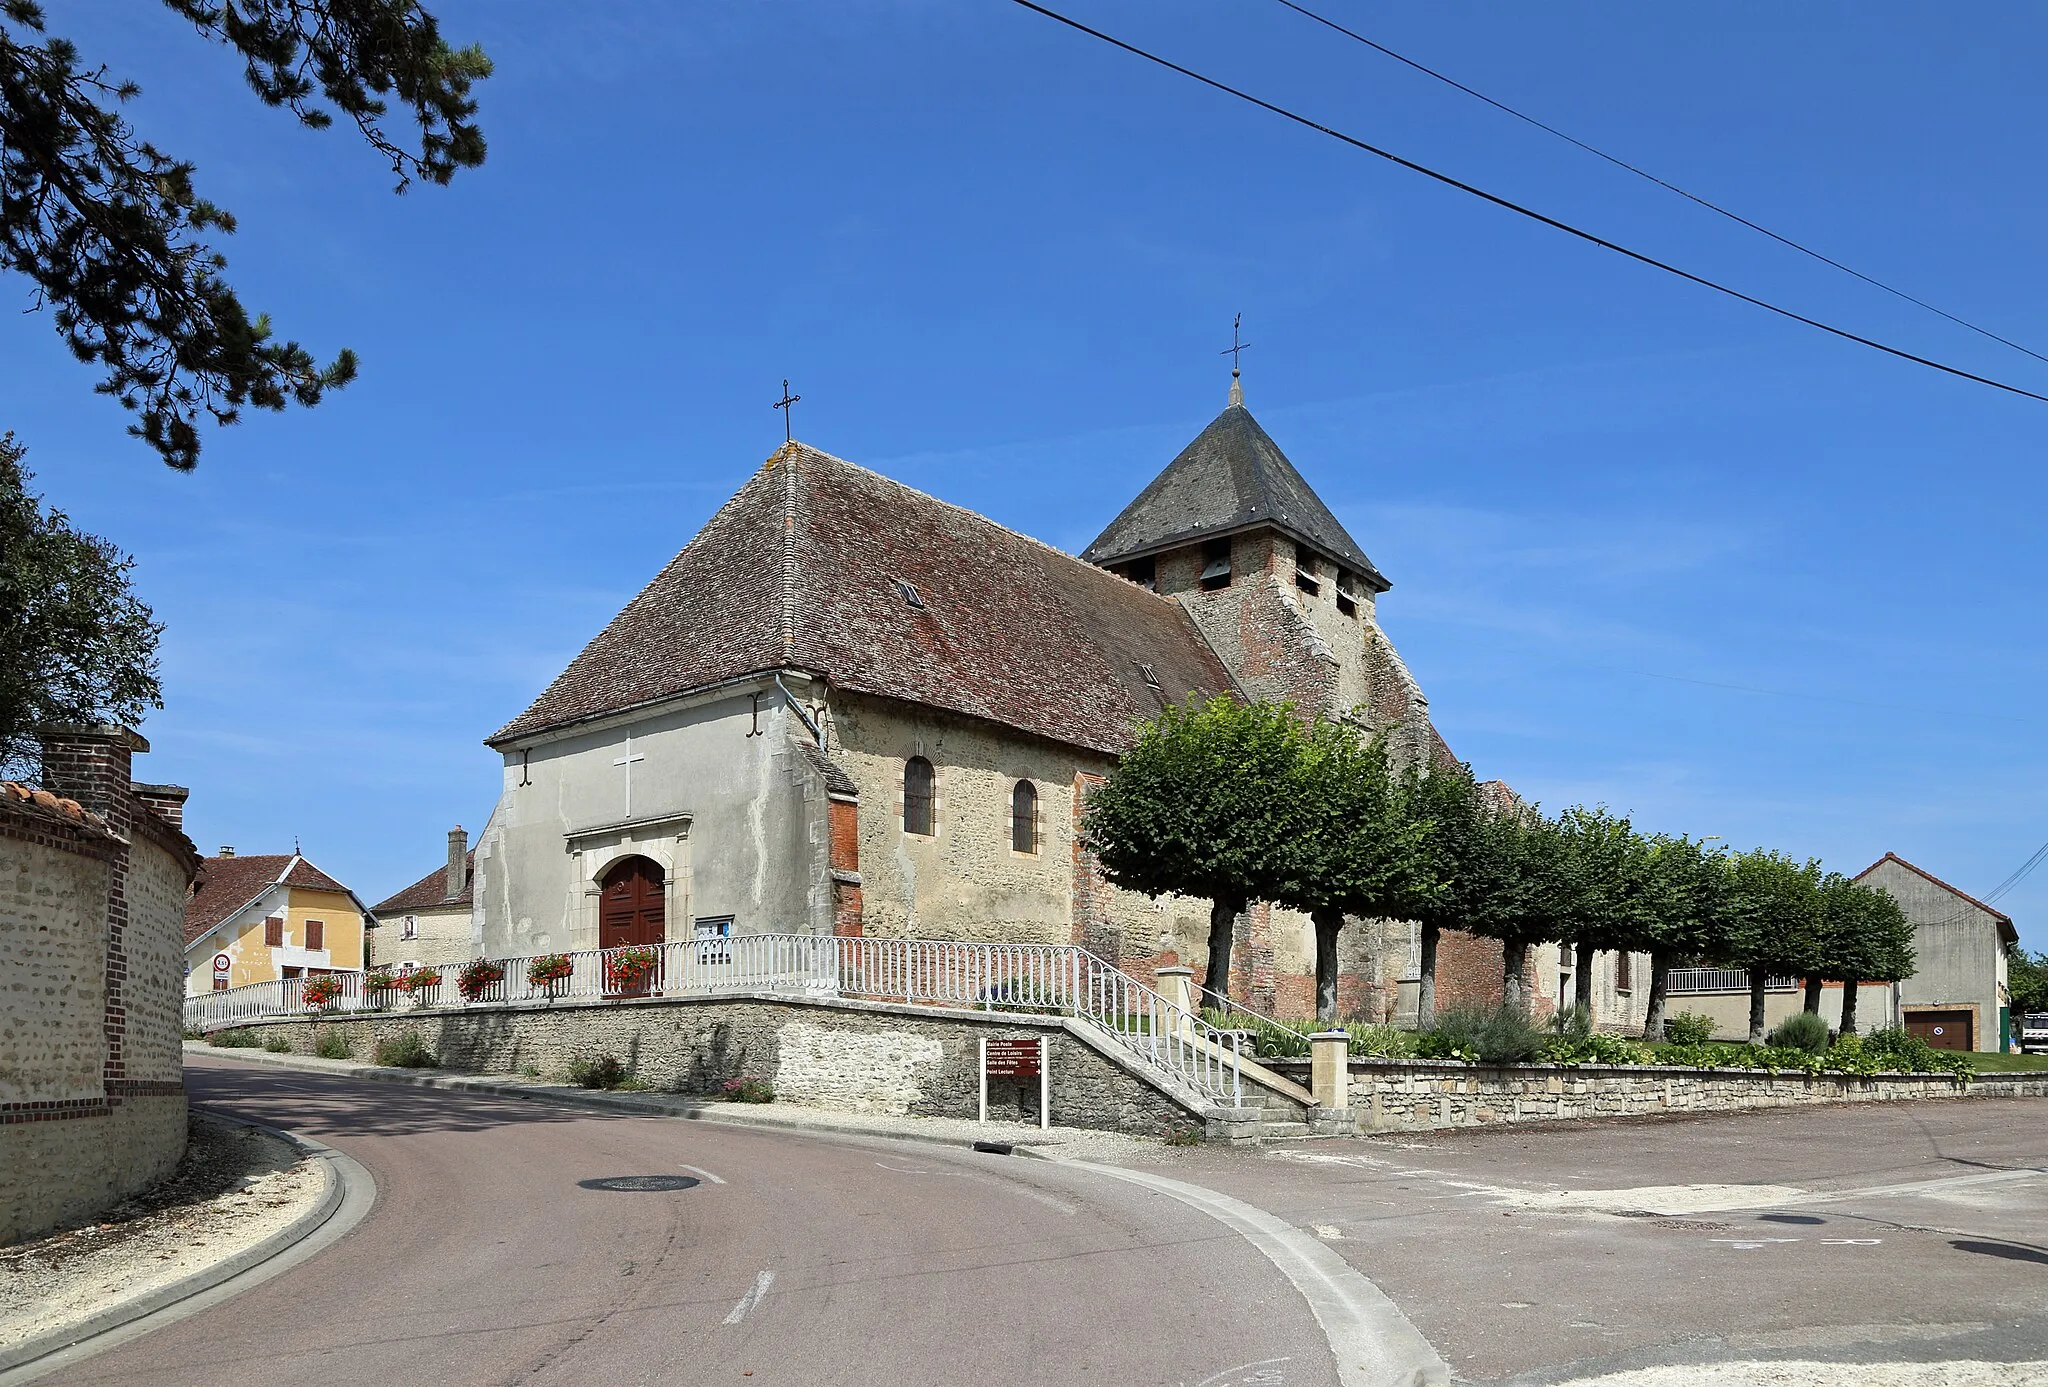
[
  {"x": 1528, "y": 212},
  {"x": 1620, "y": 163},
  {"x": 2026, "y": 870}
]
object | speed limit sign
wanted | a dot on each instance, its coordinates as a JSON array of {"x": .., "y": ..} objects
[{"x": 220, "y": 967}]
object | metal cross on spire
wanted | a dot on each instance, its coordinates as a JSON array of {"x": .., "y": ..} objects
[
  {"x": 1231, "y": 351},
  {"x": 783, "y": 404}
]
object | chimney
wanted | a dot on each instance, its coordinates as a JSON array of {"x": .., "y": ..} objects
[
  {"x": 225, "y": 851},
  {"x": 458, "y": 863},
  {"x": 90, "y": 763},
  {"x": 168, "y": 801}
]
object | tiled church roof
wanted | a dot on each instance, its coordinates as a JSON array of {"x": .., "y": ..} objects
[
  {"x": 805, "y": 568},
  {"x": 1231, "y": 477}
]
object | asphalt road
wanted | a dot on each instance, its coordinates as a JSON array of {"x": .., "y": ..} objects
[
  {"x": 1883, "y": 1233},
  {"x": 496, "y": 1255},
  {"x": 508, "y": 1244}
]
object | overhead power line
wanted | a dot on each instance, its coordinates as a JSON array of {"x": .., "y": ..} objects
[
  {"x": 1528, "y": 212},
  {"x": 2026, "y": 869},
  {"x": 1621, "y": 163}
]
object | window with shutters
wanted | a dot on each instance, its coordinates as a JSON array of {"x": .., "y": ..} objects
[
  {"x": 273, "y": 932},
  {"x": 918, "y": 781},
  {"x": 316, "y": 934},
  {"x": 1024, "y": 818}
]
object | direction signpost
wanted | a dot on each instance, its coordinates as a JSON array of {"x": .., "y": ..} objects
[{"x": 1018, "y": 1059}]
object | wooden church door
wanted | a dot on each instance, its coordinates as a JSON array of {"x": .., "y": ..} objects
[{"x": 630, "y": 910}]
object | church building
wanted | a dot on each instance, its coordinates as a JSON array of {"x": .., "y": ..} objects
[{"x": 849, "y": 707}]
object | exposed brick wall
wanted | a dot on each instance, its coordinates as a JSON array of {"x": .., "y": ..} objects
[
  {"x": 92, "y": 1104},
  {"x": 1468, "y": 970}
]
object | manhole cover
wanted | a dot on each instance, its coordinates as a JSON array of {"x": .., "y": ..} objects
[{"x": 639, "y": 1184}]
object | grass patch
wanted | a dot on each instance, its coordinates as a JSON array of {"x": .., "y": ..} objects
[
  {"x": 278, "y": 1045},
  {"x": 240, "y": 1038},
  {"x": 332, "y": 1044},
  {"x": 2009, "y": 1064}
]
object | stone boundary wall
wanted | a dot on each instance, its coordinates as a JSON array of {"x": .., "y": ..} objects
[
  {"x": 845, "y": 1055},
  {"x": 1435, "y": 1095}
]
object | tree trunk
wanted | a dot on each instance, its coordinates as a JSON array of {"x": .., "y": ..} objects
[
  {"x": 1223, "y": 913},
  {"x": 1850, "y": 986},
  {"x": 1328, "y": 922},
  {"x": 1660, "y": 981},
  {"x": 1582, "y": 978},
  {"x": 1514, "y": 958},
  {"x": 1813, "y": 995},
  {"x": 1756, "y": 1005},
  {"x": 1425, "y": 990}
]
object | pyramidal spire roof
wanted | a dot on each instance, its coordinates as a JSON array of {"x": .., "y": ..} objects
[{"x": 1232, "y": 477}]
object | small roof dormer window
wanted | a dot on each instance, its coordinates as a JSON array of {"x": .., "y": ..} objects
[{"x": 910, "y": 595}]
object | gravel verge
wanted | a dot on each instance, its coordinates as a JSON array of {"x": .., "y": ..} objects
[
  {"x": 1794, "y": 1373},
  {"x": 236, "y": 1186}
]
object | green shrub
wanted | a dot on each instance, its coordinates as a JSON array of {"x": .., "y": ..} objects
[
  {"x": 332, "y": 1044},
  {"x": 1802, "y": 1030},
  {"x": 1186, "y": 1134},
  {"x": 1595, "y": 1048},
  {"x": 1486, "y": 1035},
  {"x": 1689, "y": 1028},
  {"x": 406, "y": 1051},
  {"x": 1379, "y": 1042},
  {"x": 1573, "y": 1023},
  {"x": 745, "y": 1090},
  {"x": 1270, "y": 1039},
  {"x": 1894, "y": 1050},
  {"x": 278, "y": 1044},
  {"x": 240, "y": 1038},
  {"x": 597, "y": 1071}
]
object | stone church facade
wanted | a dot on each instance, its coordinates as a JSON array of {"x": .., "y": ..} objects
[{"x": 848, "y": 707}]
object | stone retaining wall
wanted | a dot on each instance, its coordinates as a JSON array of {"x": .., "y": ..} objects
[
  {"x": 845, "y": 1055},
  {"x": 1432, "y": 1095}
]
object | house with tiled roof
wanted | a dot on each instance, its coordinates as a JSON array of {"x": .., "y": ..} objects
[
  {"x": 269, "y": 916},
  {"x": 849, "y": 707},
  {"x": 429, "y": 922}
]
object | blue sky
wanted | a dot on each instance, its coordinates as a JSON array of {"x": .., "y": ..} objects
[{"x": 1649, "y": 546}]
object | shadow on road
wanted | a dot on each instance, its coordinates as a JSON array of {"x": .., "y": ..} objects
[
  {"x": 2012, "y": 1252},
  {"x": 328, "y": 1105}
]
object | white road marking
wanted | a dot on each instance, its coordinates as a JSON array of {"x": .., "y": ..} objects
[
  {"x": 700, "y": 1170},
  {"x": 1264, "y": 1371},
  {"x": 1850, "y": 1242},
  {"x": 1373, "y": 1342},
  {"x": 751, "y": 1298},
  {"x": 1327, "y": 1230}
]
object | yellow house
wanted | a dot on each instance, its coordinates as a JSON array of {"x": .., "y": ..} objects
[{"x": 262, "y": 918}]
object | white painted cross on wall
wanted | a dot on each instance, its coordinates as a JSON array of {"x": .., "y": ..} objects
[{"x": 627, "y": 761}]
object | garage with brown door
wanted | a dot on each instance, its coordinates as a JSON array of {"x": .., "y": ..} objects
[{"x": 1943, "y": 1029}]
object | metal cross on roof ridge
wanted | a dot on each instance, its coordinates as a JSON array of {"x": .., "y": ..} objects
[
  {"x": 1235, "y": 346},
  {"x": 783, "y": 404}
]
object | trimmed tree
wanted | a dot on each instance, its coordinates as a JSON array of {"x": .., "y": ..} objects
[
  {"x": 1688, "y": 905},
  {"x": 1608, "y": 881},
  {"x": 1461, "y": 862},
  {"x": 1775, "y": 918},
  {"x": 1521, "y": 891},
  {"x": 1364, "y": 855},
  {"x": 1210, "y": 802}
]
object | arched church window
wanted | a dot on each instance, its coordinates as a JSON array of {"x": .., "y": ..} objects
[
  {"x": 1024, "y": 817},
  {"x": 917, "y": 796}
]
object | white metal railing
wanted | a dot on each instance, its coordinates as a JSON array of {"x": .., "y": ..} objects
[
  {"x": 1058, "y": 979},
  {"x": 1722, "y": 980}
]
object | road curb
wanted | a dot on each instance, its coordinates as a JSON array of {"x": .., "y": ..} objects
[
  {"x": 28, "y": 1360},
  {"x": 632, "y": 1104}
]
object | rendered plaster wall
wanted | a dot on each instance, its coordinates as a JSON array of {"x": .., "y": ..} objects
[
  {"x": 1959, "y": 959},
  {"x": 1729, "y": 1011},
  {"x": 845, "y": 1056},
  {"x": 722, "y": 798},
  {"x": 53, "y": 934},
  {"x": 153, "y": 995}
]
